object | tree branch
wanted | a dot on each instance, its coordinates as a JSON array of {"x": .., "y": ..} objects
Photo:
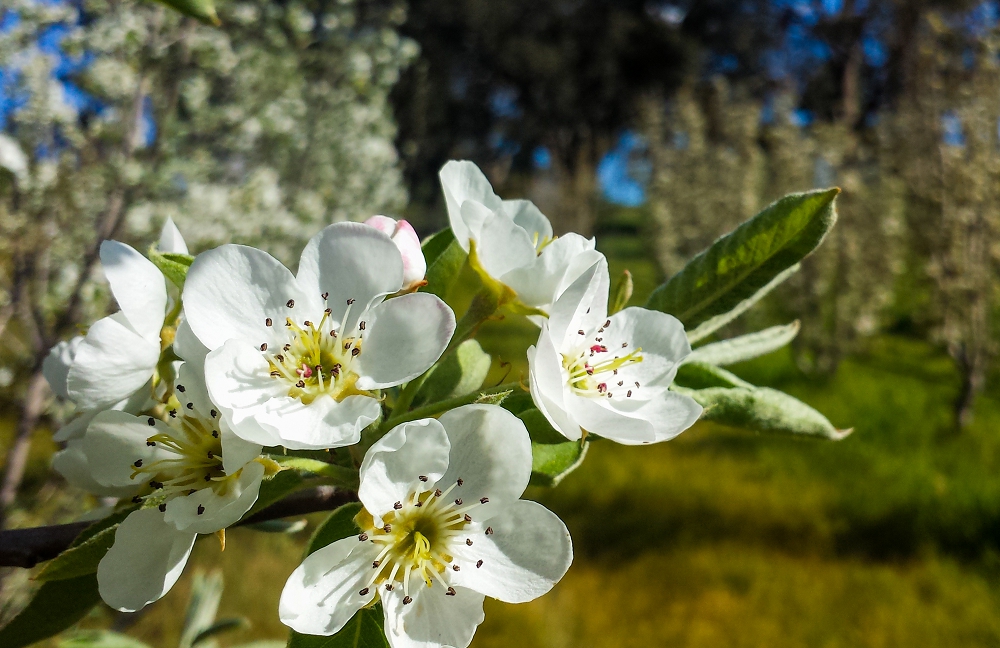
[{"x": 28, "y": 547}]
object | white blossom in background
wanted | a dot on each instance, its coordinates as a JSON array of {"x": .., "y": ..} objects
[
  {"x": 406, "y": 239},
  {"x": 443, "y": 527},
  {"x": 512, "y": 240},
  {"x": 297, "y": 360},
  {"x": 609, "y": 375},
  {"x": 191, "y": 474}
]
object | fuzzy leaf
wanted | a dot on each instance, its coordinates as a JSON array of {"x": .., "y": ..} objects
[
  {"x": 698, "y": 375},
  {"x": 747, "y": 259},
  {"x": 552, "y": 455},
  {"x": 712, "y": 325},
  {"x": 174, "y": 266},
  {"x": 86, "y": 550},
  {"x": 745, "y": 347},
  {"x": 444, "y": 258},
  {"x": 460, "y": 373},
  {"x": 761, "y": 409},
  {"x": 56, "y": 606},
  {"x": 621, "y": 293}
]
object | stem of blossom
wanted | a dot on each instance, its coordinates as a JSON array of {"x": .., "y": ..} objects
[
  {"x": 333, "y": 474},
  {"x": 428, "y": 411}
]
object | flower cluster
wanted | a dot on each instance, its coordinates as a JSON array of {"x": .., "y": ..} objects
[{"x": 184, "y": 395}]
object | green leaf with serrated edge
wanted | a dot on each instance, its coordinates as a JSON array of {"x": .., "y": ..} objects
[
  {"x": 712, "y": 325},
  {"x": 551, "y": 462},
  {"x": 745, "y": 347},
  {"x": 174, "y": 266},
  {"x": 458, "y": 374},
  {"x": 203, "y": 10},
  {"x": 364, "y": 630},
  {"x": 100, "y": 639},
  {"x": 56, "y": 606},
  {"x": 742, "y": 262},
  {"x": 444, "y": 258},
  {"x": 86, "y": 550},
  {"x": 761, "y": 409},
  {"x": 337, "y": 526},
  {"x": 274, "y": 488},
  {"x": 621, "y": 293}
]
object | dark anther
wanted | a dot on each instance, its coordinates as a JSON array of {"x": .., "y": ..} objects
[
  {"x": 347, "y": 345},
  {"x": 624, "y": 344},
  {"x": 286, "y": 347},
  {"x": 361, "y": 325},
  {"x": 181, "y": 388},
  {"x": 215, "y": 434},
  {"x": 151, "y": 421},
  {"x": 450, "y": 592},
  {"x": 163, "y": 508},
  {"x": 136, "y": 499},
  {"x": 151, "y": 443},
  {"x": 307, "y": 323},
  {"x": 388, "y": 587},
  {"x": 479, "y": 564},
  {"x": 458, "y": 502},
  {"x": 214, "y": 413},
  {"x": 456, "y": 568},
  {"x": 325, "y": 296},
  {"x": 419, "y": 504},
  {"x": 397, "y": 505},
  {"x": 190, "y": 406},
  {"x": 387, "y": 528},
  {"x": 280, "y": 358},
  {"x": 211, "y": 455},
  {"x": 407, "y": 600},
  {"x": 300, "y": 384},
  {"x": 173, "y": 413},
  {"x": 437, "y": 492},
  {"x": 637, "y": 383},
  {"x": 333, "y": 334},
  {"x": 620, "y": 383},
  {"x": 208, "y": 476},
  {"x": 460, "y": 481},
  {"x": 201, "y": 509},
  {"x": 155, "y": 484},
  {"x": 263, "y": 347},
  {"x": 629, "y": 393},
  {"x": 363, "y": 537},
  {"x": 375, "y": 564},
  {"x": 422, "y": 478},
  {"x": 607, "y": 324},
  {"x": 138, "y": 463},
  {"x": 290, "y": 303},
  {"x": 468, "y": 518},
  {"x": 275, "y": 374},
  {"x": 468, "y": 541},
  {"x": 350, "y": 301},
  {"x": 268, "y": 322},
  {"x": 483, "y": 500},
  {"x": 363, "y": 592},
  {"x": 355, "y": 351},
  {"x": 580, "y": 332},
  {"x": 489, "y": 530},
  {"x": 328, "y": 311}
]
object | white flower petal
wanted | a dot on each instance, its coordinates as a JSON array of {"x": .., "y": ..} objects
[
  {"x": 539, "y": 283},
  {"x": 56, "y": 365},
  {"x": 463, "y": 181},
  {"x": 663, "y": 342},
  {"x": 529, "y": 218},
  {"x": 218, "y": 510},
  {"x": 393, "y": 466},
  {"x": 236, "y": 452},
  {"x": 145, "y": 561},
  {"x": 190, "y": 389},
  {"x": 171, "y": 241},
  {"x": 188, "y": 346},
  {"x": 638, "y": 422},
  {"x": 549, "y": 390},
  {"x": 72, "y": 464},
  {"x": 490, "y": 452},
  {"x": 433, "y": 619},
  {"x": 116, "y": 440},
  {"x": 350, "y": 261},
  {"x": 230, "y": 292},
  {"x": 406, "y": 335},
  {"x": 110, "y": 364},
  {"x": 583, "y": 306},
  {"x": 323, "y": 593},
  {"x": 527, "y": 553},
  {"x": 138, "y": 286},
  {"x": 408, "y": 243},
  {"x": 502, "y": 246}
]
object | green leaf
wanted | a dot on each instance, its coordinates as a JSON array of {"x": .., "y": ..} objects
[
  {"x": 337, "y": 526},
  {"x": 621, "y": 293},
  {"x": 745, "y": 347},
  {"x": 747, "y": 259},
  {"x": 174, "y": 266},
  {"x": 56, "y": 606},
  {"x": 518, "y": 402},
  {"x": 712, "y": 325},
  {"x": 86, "y": 550},
  {"x": 698, "y": 375},
  {"x": 761, "y": 409},
  {"x": 364, "y": 630},
  {"x": 279, "y": 526},
  {"x": 203, "y": 10},
  {"x": 552, "y": 455},
  {"x": 445, "y": 258},
  {"x": 344, "y": 477},
  {"x": 539, "y": 428},
  {"x": 101, "y": 639},
  {"x": 458, "y": 374}
]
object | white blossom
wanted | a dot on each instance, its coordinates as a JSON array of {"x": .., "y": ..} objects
[
  {"x": 609, "y": 375},
  {"x": 406, "y": 239},
  {"x": 442, "y": 528},
  {"x": 511, "y": 241},
  {"x": 297, "y": 360}
]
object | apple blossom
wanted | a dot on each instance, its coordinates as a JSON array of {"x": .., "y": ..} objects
[
  {"x": 406, "y": 239},
  {"x": 190, "y": 472},
  {"x": 511, "y": 241},
  {"x": 443, "y": 527},
  {"x": 609, "y": 375},
  {"x": 297, "y": 360}
]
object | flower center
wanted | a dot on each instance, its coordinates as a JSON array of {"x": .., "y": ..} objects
[
  {"x": 416, "y": 539},
  {"x": 317, "y": 358},
  {"x": 196, "y": 462},
  {"x": 593, "y": 368}
]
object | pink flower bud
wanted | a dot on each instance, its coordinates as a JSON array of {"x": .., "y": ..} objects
[{"x": 405, "y": 238}]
